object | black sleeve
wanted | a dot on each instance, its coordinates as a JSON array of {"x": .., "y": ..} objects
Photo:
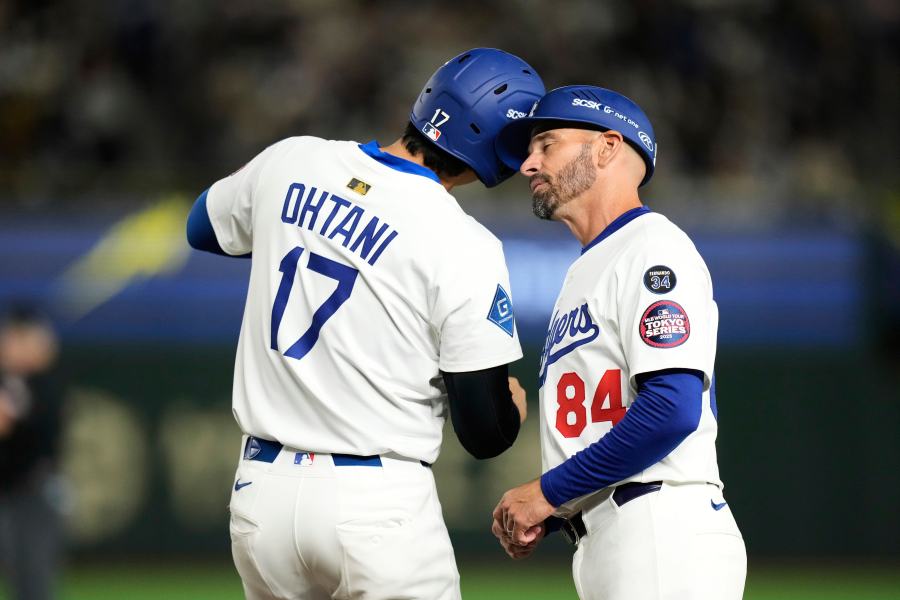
[{"x": 482, "y": 411}]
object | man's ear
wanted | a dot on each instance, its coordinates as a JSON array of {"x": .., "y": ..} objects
[{"x": 608, "y": 144}]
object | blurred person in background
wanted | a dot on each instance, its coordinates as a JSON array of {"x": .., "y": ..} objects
[{"x": 30, "y": 416}]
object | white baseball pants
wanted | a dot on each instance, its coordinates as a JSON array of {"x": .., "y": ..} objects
[
  {"x": 302, "y": 527},
  {"x": 673, "y": 544}
]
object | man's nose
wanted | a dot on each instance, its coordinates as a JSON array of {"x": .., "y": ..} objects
[{"x": 531, "y": 165}]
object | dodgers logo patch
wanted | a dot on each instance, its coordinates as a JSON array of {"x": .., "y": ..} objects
[
  {"x": 660, "y": 279},
  {"x": 501, "y": 313},
  {"x": 664, "y": 325}
]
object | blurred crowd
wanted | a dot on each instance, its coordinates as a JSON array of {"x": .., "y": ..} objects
[{"x": 764, "y": 107}]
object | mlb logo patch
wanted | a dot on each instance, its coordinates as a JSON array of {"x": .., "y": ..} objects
[
  {"x": 431, "y": 131},
  {"x": 501, "y": 313},
  {"x": 360, "y": 187},
  {"x": 304, "y": 459}
]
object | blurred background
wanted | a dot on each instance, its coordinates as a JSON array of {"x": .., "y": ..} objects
[{"x": 779, "y": 132}]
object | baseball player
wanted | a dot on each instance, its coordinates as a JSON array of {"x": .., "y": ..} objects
[
  {"x": 375, "y": 307},
  {"x": 628, "y": 406}
]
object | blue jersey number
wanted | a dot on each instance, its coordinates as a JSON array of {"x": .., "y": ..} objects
[{"x": 343, "y": 274}]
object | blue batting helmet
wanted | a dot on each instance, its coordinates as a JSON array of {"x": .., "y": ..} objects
[
  {"x": 469, "y": 99},
  {"x": 584, "y": 106}
]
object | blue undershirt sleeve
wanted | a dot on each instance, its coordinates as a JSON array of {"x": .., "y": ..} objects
[
  {"x": 200, "y": 232},
  {"x": 666, "y": 410}
]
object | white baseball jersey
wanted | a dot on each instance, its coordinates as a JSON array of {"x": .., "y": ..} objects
[
  {"x": 367, "y": 278},
  {"x": 638, "y": 299}
]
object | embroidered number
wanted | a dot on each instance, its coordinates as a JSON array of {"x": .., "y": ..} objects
[
  {"x": 657, "y": 283},
  {"x": 571, "y": 416},
  {"x": 343, "y": 274},
  {"x": 609, "y": 388}
]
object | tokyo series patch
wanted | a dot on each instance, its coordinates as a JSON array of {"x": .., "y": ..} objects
[
  {"x": 501, "y": 313},
  {"x": 660, "y": 279},
  {"x": 664, "y": 325}
]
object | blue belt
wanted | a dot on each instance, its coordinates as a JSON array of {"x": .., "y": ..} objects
[
  {"x": 266, "y": 451},
  {"x": 629, "y": 491}
]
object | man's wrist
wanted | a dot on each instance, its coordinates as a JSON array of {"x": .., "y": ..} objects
[{"x": 547, "y": 489}]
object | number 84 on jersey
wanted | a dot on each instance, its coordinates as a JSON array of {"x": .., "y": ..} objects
[{"x": 574, "y": 408}]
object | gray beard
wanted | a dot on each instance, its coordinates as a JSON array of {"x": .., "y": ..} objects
[{"x": 573, "y": 180}]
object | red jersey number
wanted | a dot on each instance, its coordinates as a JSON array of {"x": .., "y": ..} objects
[{"x": 571, "y": 416}]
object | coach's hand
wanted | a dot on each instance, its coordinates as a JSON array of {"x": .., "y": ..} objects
[
  {"x": 514, "y": 550},
  {"x": 518, "y": 397},
  {"x": 522, "y": 512}
]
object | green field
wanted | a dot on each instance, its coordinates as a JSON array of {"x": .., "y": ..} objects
[{"x": 500, "y": 581}]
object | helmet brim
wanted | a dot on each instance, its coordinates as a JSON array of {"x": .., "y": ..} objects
[{"x": 512, "y": 142}]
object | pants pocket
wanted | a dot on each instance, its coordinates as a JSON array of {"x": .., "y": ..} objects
[
  {"x": 244, "y": 530},
  {"x": 243, "y": 536},
  {"x": 241, "y": 526},
  {"x": 395, "y": 559}
]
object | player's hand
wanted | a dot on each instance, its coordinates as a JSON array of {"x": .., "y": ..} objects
[
  {"x": 518, "y": 397},
  {"x": 521, "y": 510},
  {"x": 514, "y": 550}
]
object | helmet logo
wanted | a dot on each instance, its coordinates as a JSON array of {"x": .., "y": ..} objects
[
  {"x": 514, "y": 114},
  {"x": 431, "y": 128},
  {"x": 611, "y": 111},
  {"x": 533, "y": 108},
  {"x": 646, "y": 139},
  {"x": 586, "y": 103},
  {"x": 431, "y": 131}
]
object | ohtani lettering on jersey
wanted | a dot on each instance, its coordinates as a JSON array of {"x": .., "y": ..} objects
[
  {"x": 370, "y": 241},
  {"x": 576, "y": 327}
]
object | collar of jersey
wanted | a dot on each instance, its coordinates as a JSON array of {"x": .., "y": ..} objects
[
  {"x": 397, "y": 163},
  {"x": 619, "y": 222}
]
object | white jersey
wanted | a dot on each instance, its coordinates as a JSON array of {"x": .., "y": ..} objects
[
  {"x": 639, "y": 299},
  {"x": 367, "y": 279}
]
